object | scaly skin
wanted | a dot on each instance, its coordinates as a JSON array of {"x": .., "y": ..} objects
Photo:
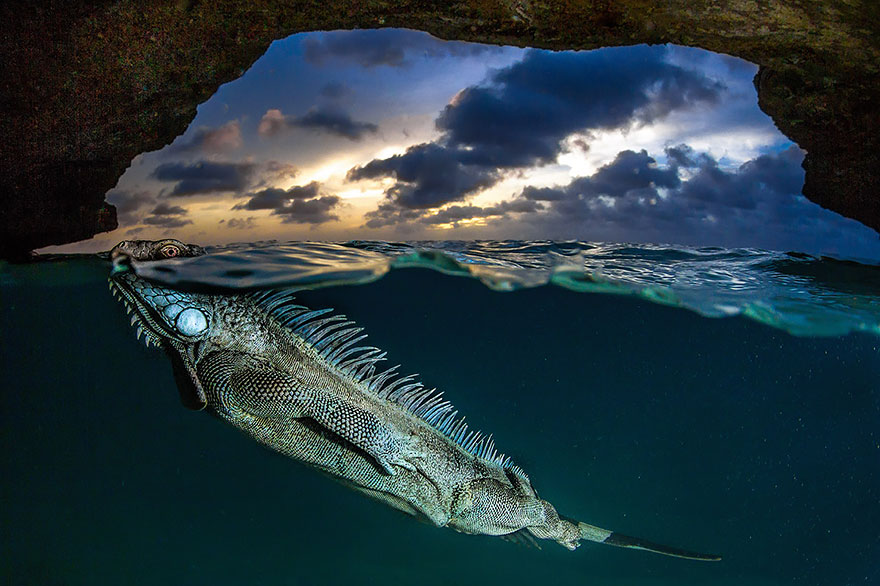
[{"x": 245, "y": 365}]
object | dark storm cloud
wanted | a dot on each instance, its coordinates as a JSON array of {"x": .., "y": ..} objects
[
  {"x": 128, "y": 203},
  {"x": 542, "y": 193},
  {"x": 456, "y": 213},
  {"x": 167, "y": 216},
  {"x": 521, "y": 117},
  {"x": 630, "y": 172},
  {"x": 329, "y": 120},
  {"x": 267, "y": 199},
  {"x": 524, "y": 113},
  {"x": 389, "y": 214},
  {"x": 682, "y": 156},
  {"x": 633, "y": 190},
  {"x": 130, "y": 208},
  {"x": 163, "y": 209},
  {"x": 393, "y": 48},
  {"x": 204, "y": 177},
  {"x": 768, "y": 178},
  {"x": 309, "y": 211},
  {"x": 334, "y": 122},
  {"x": 428, "y": 175},
  {"x": 634, "y": 198},
  {"x": 274, "y": 198},
  {"x": 302, "y": 204},
  {"x": 210, "y": 140}
]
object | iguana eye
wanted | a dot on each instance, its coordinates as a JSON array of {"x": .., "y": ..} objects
[
  {"x": 191, "y": 322},
  {"x": 169, "y": 251}
]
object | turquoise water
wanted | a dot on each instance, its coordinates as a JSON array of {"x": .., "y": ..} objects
[{"x": 601, "y": 373}]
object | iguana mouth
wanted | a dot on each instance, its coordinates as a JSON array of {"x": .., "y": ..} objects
[{"x": 143, "y": 317}]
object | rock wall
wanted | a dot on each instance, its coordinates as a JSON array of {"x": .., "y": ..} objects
[{"x": 86, "y": 86}]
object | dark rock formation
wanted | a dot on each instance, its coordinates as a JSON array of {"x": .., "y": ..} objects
[{"x": 86, "y": 86}]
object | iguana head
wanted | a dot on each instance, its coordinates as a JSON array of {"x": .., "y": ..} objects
[
  {"x": 146, "y": 250},
  {"x": 176, "y": 321},
  {"x": 165, "y": 315}
]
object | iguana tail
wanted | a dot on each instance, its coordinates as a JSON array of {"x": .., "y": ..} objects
[
  {"x": 569, "y": 533},
  {"x": 591, "y": 533}
]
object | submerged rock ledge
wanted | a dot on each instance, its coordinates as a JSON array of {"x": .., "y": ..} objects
[{"x": 86, "y": 86}]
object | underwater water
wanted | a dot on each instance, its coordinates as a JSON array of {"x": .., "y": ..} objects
[{"x": 725, "y": 401}]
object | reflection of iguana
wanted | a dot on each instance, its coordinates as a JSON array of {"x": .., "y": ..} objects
[{"x": 299, "y": 381}]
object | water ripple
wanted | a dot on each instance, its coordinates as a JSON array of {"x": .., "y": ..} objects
[{"x": 799, "y": 293}]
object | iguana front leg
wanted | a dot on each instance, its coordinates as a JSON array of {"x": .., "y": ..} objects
[{"x": 262, "y": 390}]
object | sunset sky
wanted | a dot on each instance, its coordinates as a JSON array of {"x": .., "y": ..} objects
[{"x": 395, "y": 135}]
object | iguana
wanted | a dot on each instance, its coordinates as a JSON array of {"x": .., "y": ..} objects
[{"x": 301, "y": 382}]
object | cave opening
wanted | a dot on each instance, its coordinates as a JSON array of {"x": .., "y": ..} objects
[{"x": 394, "y": 134}]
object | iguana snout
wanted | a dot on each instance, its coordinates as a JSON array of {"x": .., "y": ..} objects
[{"x": 146, "y": 250}]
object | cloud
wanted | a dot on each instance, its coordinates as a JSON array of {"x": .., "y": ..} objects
[
  {"x": 682, "y": 155},
  {"x": 390, "y": 214},
  {"x": 272, "y": 123},
  {"x": 633, "y": 194},
  {"x": 241, "y": 223},
  {"x": 129, "y": 206},
  {"x": 758, "y": 204},
  {"x": 163, "y": 209},
  {"x": 691, "y": 199},
  {"x": 329, "y": 120},
  {"x": 630, "y": 172},
  {"x": 280, "y": 170},
  {"x": 428, "y": 175},
  {"x": 204, "y": 177},
  {"x": 128, "y": 203},
  {"x": 522, "y": 116},
  {"x": 166, "y": 221},
  {"x": 273, "y": 173},
  {"x": 392, "y": 48},
  {"x": 334, "y": 122},
  {"x": 274, "y": 198},
  {"x": 167, "y": 216},
  {"x": 267, "y": 199},
  {"x": 309, "y": 211},
  {"x": 210, "y": 140},
  {"x": 528, "y": 108},
  {"x": 335, "y": 90},
  {"x": 301, "y": 204},
  {"x": 456, "y": 213}
]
